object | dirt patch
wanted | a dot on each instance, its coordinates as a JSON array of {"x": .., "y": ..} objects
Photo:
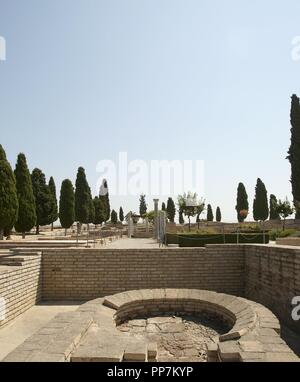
[{"x": 179, "y": 338}]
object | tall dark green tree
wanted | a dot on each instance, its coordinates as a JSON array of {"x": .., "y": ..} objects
[
  {"x": 260, "y": 203},
  {"x": 143, "y": 205},
  {"x": 54, "y": 212},
  {"x": 241, "y": 203},
  {"x": 218, "y": 215},
  {"x": 8, "y": 195},
  {"x": 67, "y": 205},
  {"x": 210, "y": 215},
  {"x": 43, "y": 199},
  {"x": 171, "y": 210},
  {"x": 104, "y": 196},
  {"x": 114, "y": 217},
  {"x": 82, "y": 197},
  {"x": 2, "y": 153},
  {"x": 181, "y": 218},
  {"x": 274, "y": 215},
  {"x": 121, "y": 215},
  {"x": 163, "y": 206},
  {"x": 26, "y": 214},
  {"x": 92, "y": 212},
  {"x": 294, "y": 152},
  {"x": 100, "y": 214}
]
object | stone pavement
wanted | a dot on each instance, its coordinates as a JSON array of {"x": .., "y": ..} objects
[
  {"x": 15, "y": 333},
  {"x": 126, "y": 243}
]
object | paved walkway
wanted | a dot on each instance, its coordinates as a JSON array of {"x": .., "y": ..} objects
[
  {"x": 132, "y": 243},
  {"x": 28, "y": 323}
]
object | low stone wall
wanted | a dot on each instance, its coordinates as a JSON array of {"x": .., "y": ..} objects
[
  {"x": 20, "y": 283},
  {"x": 86, "y": 274},
  {"x": 293, "y": 241}
]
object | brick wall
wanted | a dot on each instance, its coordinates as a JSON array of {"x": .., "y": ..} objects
[
  {"x": 20, "y": 284},
  {"x": 272, "y": 278},
  {"x": 86, "y": 274}
]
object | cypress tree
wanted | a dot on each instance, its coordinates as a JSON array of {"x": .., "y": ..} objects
[
  {"x": 8, "y": 195},
  {"x": 2, "y": 153},
  {"x": 121, "y": 215},
  {"x": 218, "y": 215},
  {"x": 114, "y": 217},
  {"x": 294, "y": 152},
  {"x": 181, "y": 219},
  {"x": 274, "y": 215},
  {"x": 26, "y": 214},
  {"x": 210, "y": 215},
  {"x": 241, "y": 202},
  {"x": 163, "y": 206},
  {"x": 143, "y": 205},
  {"x": 260, "y": 204},
  {"x": 104, "y": 197},
  {"x": 66, "y": 205},
  {"x": 107, "y": 203},
  {"x": 43, "y": 199},
  {"x": 171, "y": 210},
  {"x": 91, "y": 208},
  {"x": 99, "y": 211},
  {"x": 82, "y": 197},
  {"x": 54, "y": 212}
]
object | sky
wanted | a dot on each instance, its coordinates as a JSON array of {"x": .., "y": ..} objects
[{"x": 199, "y": 80}]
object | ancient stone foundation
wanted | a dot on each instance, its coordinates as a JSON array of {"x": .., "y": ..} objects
[
  {"x": 92, "y": 335},
  {"x": 268, "y": 275}
]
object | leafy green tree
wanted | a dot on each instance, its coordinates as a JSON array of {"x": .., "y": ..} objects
[
  {"x": 284, "y": 209},
  {"x": 171, "y": 210},
  {"x": 114, "y": 217},
  {"x": 218, "y": 215},
  {"x": 210, "y": 215},
  {"x": 121, "y": 215},
  {"x": 242, "y": 204},
  {"x": 100, "y": 214},
  {"x": 43, "y": 199},
  {"x": 67, "y": 205},
  {"x": 82, "y": 198},
  {"x": 274, "y": 215},
  {"x": 8, "y": 195},
  {"x": 26, "y": 214},
  {"x": 54, "y": 212},
  {"x": 260, "y": 204},
  {"x": 163, "y": 206},
  {"x": 143, "y": 205},
  {"x": 190, "y": 206},
  {"x": 294, "y": 151}
]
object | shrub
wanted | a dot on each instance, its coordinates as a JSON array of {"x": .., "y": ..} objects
[{"x": 196, "y": 240}]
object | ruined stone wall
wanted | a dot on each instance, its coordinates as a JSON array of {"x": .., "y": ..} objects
[
  {"x": 269, "y": 275},
  {"x": 272, "y": 278},
  {"x": 20, "y": 284}
]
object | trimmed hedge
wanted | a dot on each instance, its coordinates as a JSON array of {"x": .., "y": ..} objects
[{"x": 196, "y": 240}]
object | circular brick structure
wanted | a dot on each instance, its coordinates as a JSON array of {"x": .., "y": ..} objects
[{"x": 91, "y": 333}]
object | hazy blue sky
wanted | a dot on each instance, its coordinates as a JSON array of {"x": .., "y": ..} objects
[{"x": 160, "y": 79}]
